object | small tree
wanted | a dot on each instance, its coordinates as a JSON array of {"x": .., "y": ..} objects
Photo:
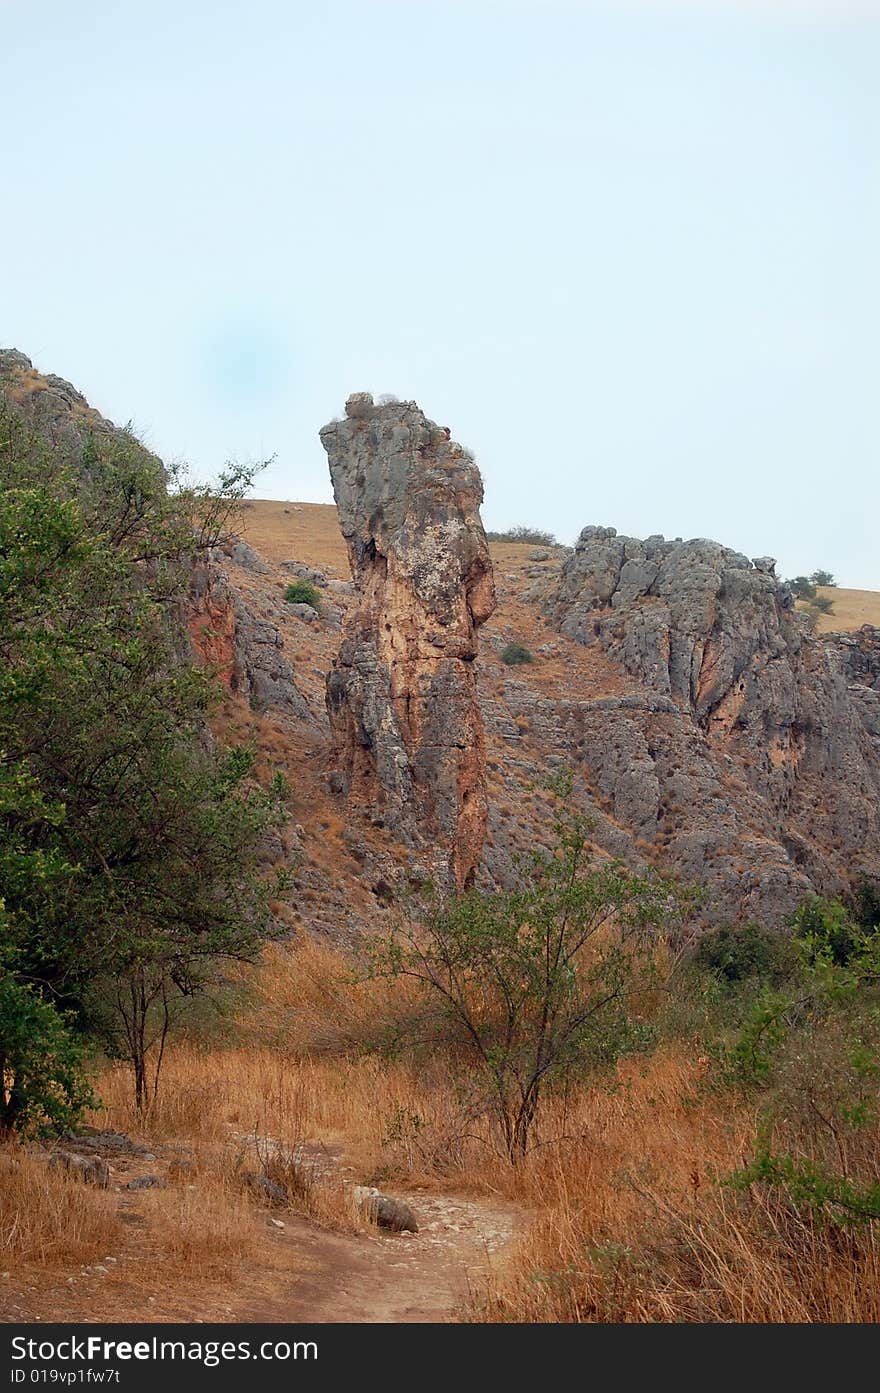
[
  {"x": 823, "y": 578},
  {"x": 802, "y": 587},
  {"x": 43, "y": 1085},
  {"x": 543, "y": 979}
]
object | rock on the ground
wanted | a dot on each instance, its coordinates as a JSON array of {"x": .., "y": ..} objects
[
  {"x": 265, "y": 1189},
  {"x": 402, "y": 694},
  {"x": 386, "y": 1212},
  {"x": 147, "y": 1182},
  {"x": 307, "y": 613},
  {"x": 93, "y": 1170},
  {"x": 309, "y": 573}
]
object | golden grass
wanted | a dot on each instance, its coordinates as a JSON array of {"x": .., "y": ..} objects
[
  {"x": 48, "y": 1216},
  {"x": 626, "y": 1215},
  {"x": 634, "y": 1225},
  {"x": 203, "y": 1226},
  {"x": 852, "y": 609}
]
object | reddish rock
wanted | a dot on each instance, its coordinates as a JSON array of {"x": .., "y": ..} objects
[{"x": 401, "y": 696}]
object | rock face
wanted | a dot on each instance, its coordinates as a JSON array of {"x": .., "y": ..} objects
[
  {"x": 746, "y": 755},
  {"x": 246, "y": 651},
  {"x": 401, "y": 696}
]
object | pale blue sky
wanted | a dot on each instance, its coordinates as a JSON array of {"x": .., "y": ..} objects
[{"x": 628, "y": 252}]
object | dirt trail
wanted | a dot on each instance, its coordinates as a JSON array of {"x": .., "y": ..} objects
[
  {"x": 424, "y": 1276},
  {"x": 300, "y": 1273}
]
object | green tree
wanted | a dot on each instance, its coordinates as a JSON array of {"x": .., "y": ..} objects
[
  {"x": 42, "y": 1077},
  {"x": 542, "y": 979},
  {"x": 102, "y": 708},
  {"x": 802, "y": 587}
]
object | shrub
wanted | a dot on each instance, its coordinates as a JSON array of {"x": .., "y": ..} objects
[
  {"x": 42, "y": 1080},
  {"x": 524, "y": 534},
  {"x": 823, "y": 578},
  {"x": 302, "y": 592},
  {"x": 514, "y": 653},
  {"x": 739, "y": 952},
  {"x": 826, "y": 930},
  {"x": 867, "y": 904}
]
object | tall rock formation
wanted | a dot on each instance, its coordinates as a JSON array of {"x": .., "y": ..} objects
[{"x": 401, "y": 696}]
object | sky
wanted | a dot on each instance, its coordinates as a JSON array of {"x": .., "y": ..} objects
[{"x": 627, "y": 252}]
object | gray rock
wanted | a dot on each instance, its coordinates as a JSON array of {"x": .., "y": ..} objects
[
  {"x": 147, "y": 1182},
  {"x": 92, "y": 1170},
  {"x": 309, "y": 573},
  {"x": 307, "y": 613},
  {"x": 748, "y": 758},
  {"x": 265, "y": 1189},
  {"x": 242, "y": 554},
  {"x": 387, "y": 1213}
]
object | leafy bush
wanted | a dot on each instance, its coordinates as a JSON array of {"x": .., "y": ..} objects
[
  {"x": 811, "y": 1053},
  {"x": 740, "y": 952},
  {"x": 867, "y": 904},
  {"x": 514, "y": 653},
  {"x": 42, "y": 1080},
  {"x": 302, "y": 592},
  {"x": 827, "y": 930},
  {"x": 823, "y": 578},
  {"x": 524, "y": 534}
]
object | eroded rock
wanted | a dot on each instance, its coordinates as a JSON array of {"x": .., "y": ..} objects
[
  {"x": 401, "y": 695},
  {"x": 760, "y": 777}
]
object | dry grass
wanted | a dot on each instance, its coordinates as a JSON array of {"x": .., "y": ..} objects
[
  {"x": 852, "y": 608},
  {"x": 634, "y": 1225},
  {"x": 203, "y": 1226},
  {"x": 628, "y": 1220},
  {"x": 47, "y": 1216}
]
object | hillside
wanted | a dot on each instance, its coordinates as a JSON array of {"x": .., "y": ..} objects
[
  {"x": 311, "y": 531},
  {"x": 756, "y": 842},
  {"x": 415, "y": 717},
  {"x": 852, "y": 609}
]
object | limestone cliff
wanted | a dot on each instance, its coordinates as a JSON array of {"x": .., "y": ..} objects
[
  {"x": 401, "y": 696},
  {"x": 746, "y": 753}
]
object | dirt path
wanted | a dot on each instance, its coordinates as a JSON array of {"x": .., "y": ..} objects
[
  {"x": 424, "y": 1276},
  {"x": 299, "y": 1272}
]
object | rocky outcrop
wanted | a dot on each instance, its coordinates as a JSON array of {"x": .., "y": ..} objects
[
  {"x": 55, "y": 408},
  {"x": 760, "y": 777},
  {"x": 245, "y": 651},
  {"x": 401, "y": 696}
]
